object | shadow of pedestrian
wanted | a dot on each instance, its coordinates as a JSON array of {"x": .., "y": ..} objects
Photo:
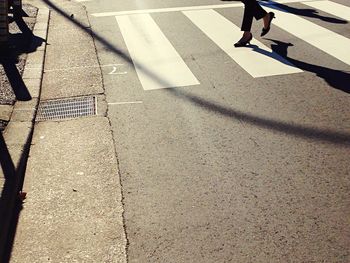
[
  {"x": 335, "y": 78},
  {"x": 306, "y": 12}
]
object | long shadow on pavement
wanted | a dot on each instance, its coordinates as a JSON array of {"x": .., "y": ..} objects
[
  {"x": 306, "y": 12},
  {"x": 335, "y": 78},
  {"x": 316, "y": 134},
  {"x": 310, "y": 133},
  {"x": 10, "y": 205},
  {"x": 21, "y": 43}
]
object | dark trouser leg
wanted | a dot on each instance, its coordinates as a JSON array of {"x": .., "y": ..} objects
[
  {"x": 251, "y": 9},
  {"x": 247, "y": 18}
]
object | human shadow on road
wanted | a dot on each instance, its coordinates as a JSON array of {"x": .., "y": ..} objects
[
  {"x": 335, "y": 78},
  {"x": 306, "y": 12},
  {"x": 19, "y": 44}
]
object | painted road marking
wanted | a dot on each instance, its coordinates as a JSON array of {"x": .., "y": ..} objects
[
  {"x": 166, "y": 10},
  {"x": 186, "y": 8},
  {"x": 116, "y": 72},
  {"x": 332, "y": 8},
  {"x": 125, "y": 102},
  {"x": 258, "y": 61},
  {"x": 157, "y": 63},
  {"x": 332, "y": 43},
  {"x": 83, "y": 67}
]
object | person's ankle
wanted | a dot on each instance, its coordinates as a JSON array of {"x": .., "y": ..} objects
[
  {"x": 266, "y": 19},
  {"x": 246, "y": 34}
]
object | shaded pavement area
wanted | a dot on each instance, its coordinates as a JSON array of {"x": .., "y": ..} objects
[
  {"x": 12, "y": 61},
  {"x": 17, "y": 103}
]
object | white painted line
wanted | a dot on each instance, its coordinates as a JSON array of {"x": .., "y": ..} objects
[
  {"x": 332, "y": 8},
  {"x": 157, "y": 63},
  {"x": 125, "y": 102},
  {"x": 165, "y": 10},
  {"x": 83, "y": 67},
  {"x": 185, "y": 8},
  {"x": 114, "y": 72},
  {"x": 82, "y": 1},
  {"x": 332, "y": 43},
  {"x": 258, "y": 60}
]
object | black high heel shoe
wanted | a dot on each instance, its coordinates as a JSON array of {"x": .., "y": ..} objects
[
  {"x": 265, "y": 31},
  {"x": 242, "y": 43}
]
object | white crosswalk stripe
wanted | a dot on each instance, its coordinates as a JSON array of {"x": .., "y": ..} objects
[
  {"x": 154, "y": 55},
  {"x": 186, "y": 8}
]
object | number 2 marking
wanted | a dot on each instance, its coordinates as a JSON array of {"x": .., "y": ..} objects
[{"x": 114, "y": 71}]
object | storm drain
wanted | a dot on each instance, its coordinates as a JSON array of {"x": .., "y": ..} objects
[{"x": 66, "y": 108}]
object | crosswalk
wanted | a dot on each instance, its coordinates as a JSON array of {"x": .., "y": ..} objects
[
  {"x": 153, "y": 53},
  {"x": 217, "y": 28}
]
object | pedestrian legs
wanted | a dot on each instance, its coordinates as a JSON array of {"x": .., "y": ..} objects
[{"x": 251, "y": 9}]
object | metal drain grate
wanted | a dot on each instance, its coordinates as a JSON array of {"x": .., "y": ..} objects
[{"x": 66, "y": 108}]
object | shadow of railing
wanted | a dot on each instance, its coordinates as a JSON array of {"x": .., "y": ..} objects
[
  {"x": 14, "y": 76},
  {"x": 14, "y": 169},
  {"x": 10, "y": 203},
  {"x": 18, "y": 44}
]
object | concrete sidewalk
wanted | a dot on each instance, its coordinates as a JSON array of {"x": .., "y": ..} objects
[{"x": 73, "y": 211}]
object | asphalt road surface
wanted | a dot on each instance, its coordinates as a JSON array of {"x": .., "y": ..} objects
[{"x": 226, "y": 154}]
